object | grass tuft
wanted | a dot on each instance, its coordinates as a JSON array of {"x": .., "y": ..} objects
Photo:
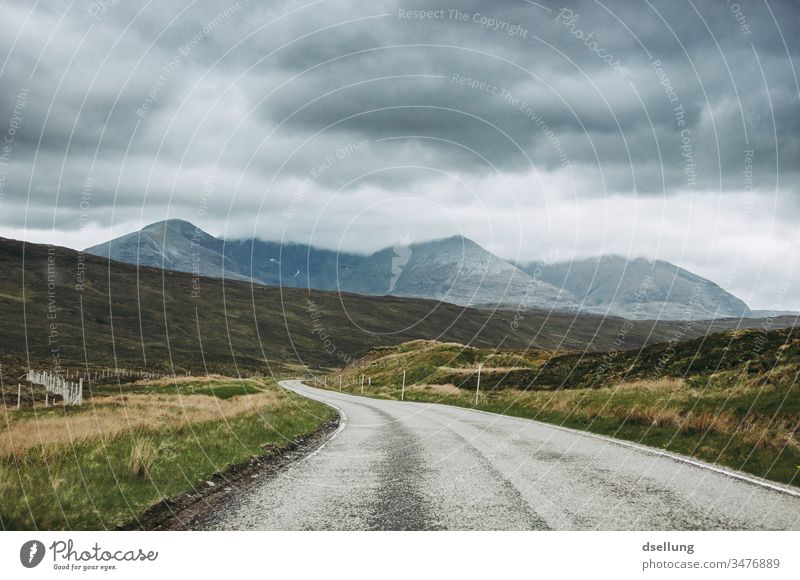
[{"x": 143, "y": 457}]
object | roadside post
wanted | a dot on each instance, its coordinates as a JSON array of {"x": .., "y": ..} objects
[
  {"x": 478, "y": 387},
  {"x": 403, "y": 388}
]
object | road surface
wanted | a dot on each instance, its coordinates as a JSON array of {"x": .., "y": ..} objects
[{"x": 419, "y": 466}]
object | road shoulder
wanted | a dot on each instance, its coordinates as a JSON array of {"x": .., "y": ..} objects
[{"x": 193, "y": 510}]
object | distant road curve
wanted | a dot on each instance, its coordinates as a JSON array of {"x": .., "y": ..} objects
[{"x": 420, "y": 466}]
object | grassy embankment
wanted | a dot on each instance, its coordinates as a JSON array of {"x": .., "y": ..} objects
[
  {"x": 730, "y": 398},
  {"x": 100, "y": 465}
]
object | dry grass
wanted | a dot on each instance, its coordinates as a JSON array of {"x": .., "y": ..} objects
[
  {"x": 561, "y": 404},
  {"x": 485, "y": 369},
  {"x": 111, "y": 416},
  {"x": 446, "y": 390},
  {"x": 143, "y": 457},
  {"x": 6, "y": 480},
  {"x": 757, "y": 429},
  {"x": 178, "y": 380},
  {"x": 706, "y": 421},
  {"x": 789, "y": 437},
  {"x": 662, "y": 385}
]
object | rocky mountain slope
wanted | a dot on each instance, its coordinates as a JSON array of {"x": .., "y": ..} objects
[
  {"x": 454, "y": 270},
  {"x": 641, "y": 289}
]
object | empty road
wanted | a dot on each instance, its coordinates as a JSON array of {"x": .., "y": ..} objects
[{"x": 418, "y": 466}]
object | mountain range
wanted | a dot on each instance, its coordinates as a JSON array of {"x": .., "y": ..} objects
[
  {"x": 65, "y": 308},
  {"x": 454, "y": 270}
]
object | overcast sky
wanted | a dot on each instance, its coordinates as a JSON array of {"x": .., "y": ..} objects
[{"x": 666, "y": 129}]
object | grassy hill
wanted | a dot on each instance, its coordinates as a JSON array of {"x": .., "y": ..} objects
[
  {"x": 58, "y": 306},
  {"x": 732, "y": 398}
]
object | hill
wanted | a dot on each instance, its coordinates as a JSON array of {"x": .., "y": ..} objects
[
  {"x": 59, "y": 306},
  {"x": 748, "y": 352}
]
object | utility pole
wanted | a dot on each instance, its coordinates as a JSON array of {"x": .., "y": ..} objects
[
  {"x": 478, "y": 387},
  {"x": 403, "y": 388}
]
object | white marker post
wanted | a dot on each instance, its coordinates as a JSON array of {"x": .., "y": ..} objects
[
  {"x": 19, "y": 395},
  {"x": 340, "y": 382},
  {"x": 478, "y": 387},
  {"x": 362, "y": 384},
  {"x": 403, "y": 388}
]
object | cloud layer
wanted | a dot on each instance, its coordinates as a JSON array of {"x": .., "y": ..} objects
[{"x": 663, "y": 129}]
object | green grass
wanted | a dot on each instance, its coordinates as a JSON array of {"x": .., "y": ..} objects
[
  {"x": 222, "y": 389},
  {"x": 102, "y": 484}
]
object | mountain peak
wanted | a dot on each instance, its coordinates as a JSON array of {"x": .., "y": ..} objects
[
  {"x": 454, "y": 239},
  {"x": 182, "y": 227}
]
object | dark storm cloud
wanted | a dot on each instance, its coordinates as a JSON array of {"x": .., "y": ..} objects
[{"x": 712, "y": 68}]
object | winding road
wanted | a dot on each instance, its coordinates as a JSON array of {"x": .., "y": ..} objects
[{"x": 419, "y": 466}]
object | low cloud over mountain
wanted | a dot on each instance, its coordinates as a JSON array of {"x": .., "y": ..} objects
[{"x": 455, "y": 270}]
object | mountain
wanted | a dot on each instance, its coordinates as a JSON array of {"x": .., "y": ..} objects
[
  {"x": 181, "y": 246},
  {"x": 149, "y": 318},
  {"x": 172, "y": 245},
  {"x": 454, "y": 270},
  {"x": 640, "y": 289},
  {"x": 459, "y": 271}
]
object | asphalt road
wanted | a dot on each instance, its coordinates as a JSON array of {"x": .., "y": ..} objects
[{"x": 418, "y": 466}]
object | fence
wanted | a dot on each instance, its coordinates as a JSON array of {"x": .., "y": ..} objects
[
  {"x": 109, "y": 373},
  {"x": 71, "y": 392}
]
